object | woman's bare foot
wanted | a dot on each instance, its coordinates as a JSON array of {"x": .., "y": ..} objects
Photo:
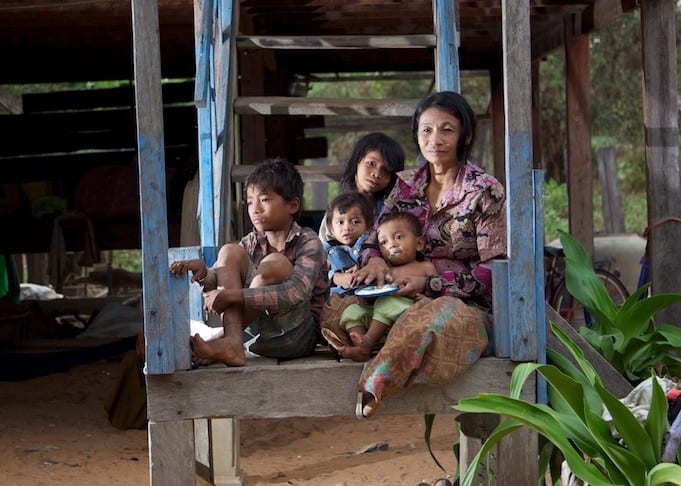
[{"x": 229, "y": 351}]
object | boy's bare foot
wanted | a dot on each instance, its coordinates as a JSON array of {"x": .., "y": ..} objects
[
  {"x": 355, "y": 353},
  {"x": 225, "y": 350}
]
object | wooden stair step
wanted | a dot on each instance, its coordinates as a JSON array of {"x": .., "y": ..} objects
[
  {"x": 317, "y": 173},
  {"x": 338, "y": 42},
  {"x": 284, "y": 105}
]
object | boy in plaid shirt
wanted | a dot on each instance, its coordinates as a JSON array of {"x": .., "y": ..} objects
[{"x": 274, "y": 280}]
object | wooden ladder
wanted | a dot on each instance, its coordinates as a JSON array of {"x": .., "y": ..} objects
[{"x": 237, "y": 127}]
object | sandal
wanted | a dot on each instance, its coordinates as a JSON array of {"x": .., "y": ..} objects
[
  {"x": 365, "y": 410},
  {"x": 329, "y": 320},
  {"x": 336, "y": 340}
]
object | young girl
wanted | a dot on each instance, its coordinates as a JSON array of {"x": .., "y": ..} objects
[
  {"x": 350, "y": 217},
  {"x": 371, "y": 170}
]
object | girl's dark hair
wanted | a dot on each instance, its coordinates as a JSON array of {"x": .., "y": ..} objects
[
  {"x": 456, "y": 105},
  {"x": 343, "y": 202},
  {"x": 280, "y": 176},
  {"x": 390, "y": 150}
]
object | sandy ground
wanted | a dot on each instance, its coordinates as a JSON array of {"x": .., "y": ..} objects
[{"x": 54, "y": 431}]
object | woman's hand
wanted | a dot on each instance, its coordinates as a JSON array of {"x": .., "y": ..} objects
[
  {"x": 410, "y": 286},
  {"x": 376, "y": 271},
  {"x": 197, "y": 267}
]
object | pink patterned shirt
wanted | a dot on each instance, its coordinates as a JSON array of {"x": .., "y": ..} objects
[{"x": 462, "y": 235}]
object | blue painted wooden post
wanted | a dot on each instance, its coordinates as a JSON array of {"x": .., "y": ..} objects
[
  {"x": 185, "y": 300},
  {"x": 151, "y": 158},
  {"x": 538, "y": 192},
  {"x": 447, "y": 72},
  {"x": 522, "y": 272},
  {"x": 223, "y": 130},
  {"x": 502, "y": 331},
  {"x": 205, "y": 105}
]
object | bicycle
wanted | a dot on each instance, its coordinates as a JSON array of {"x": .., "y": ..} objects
[{"x": 558, "y": 297}]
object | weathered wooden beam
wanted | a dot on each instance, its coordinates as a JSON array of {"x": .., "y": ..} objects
[
  {"x": 332, "y": 125},
  {"x": 522, "y": 302},
  {"x": 86, "y": 99},
  {"x": 613, "y": 218},
  {"x": 63, "y": 132},
  {"x": 10, "y": 102},
  {"x": 579, "y": 173},
  {"x": 614, "y": 382},
  {"x": 447, "y": 77},
  {"x": 328, "y": 173},
  {"x": 160, "y": 352},
  {"x": 337, "y": 42},
  {"x": 281, "y": 105},
  {"x": 662, "y": 148},
  {"x": 271, "y": 390}
]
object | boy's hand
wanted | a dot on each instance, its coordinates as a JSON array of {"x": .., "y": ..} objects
[
  {"x": 197, "y": 267},
  {"x": 214, "y": 301}
]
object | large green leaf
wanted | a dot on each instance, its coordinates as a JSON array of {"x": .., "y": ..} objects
[
  {"x": 664, "y": 474},
  {"x": 583, "y": 283},
  {"x": 671, "y": 333},
  {"x": 631, "y": 431},
  {"x": 656, "y": 423},
  {"x": 540, "y": 420},
  {"x": 577, "y": 354},
  {"x": 635, "y": 320},
  {"x": 566, "y": 366}
]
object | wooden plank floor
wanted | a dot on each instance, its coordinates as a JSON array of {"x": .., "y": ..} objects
[{"x": 318, "y": 386}]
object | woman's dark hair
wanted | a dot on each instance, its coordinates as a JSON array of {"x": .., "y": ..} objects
[
  {"x": 343, "y": 202},
  {"x": 280, "y": 176},
  {"x": 390, "y": 150},
  {"x": 456, "y": 105}
]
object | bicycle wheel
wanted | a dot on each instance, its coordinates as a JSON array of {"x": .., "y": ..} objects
[
  {"x": 567, "y": 306},
  {"x": 616, "y": 289},
  {"x": 573, "y": 311}
]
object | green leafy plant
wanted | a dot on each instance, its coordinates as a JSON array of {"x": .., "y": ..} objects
[
  {"x": 624, "y": 335},
  {"x": 573, "y": 423}
]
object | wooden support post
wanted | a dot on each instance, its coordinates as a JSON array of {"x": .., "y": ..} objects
[
  {"x": 224, "y": 452},
  {"x": 662, "y": 149},
  {"x": 516, "y": 455},
  {"x": 580, "y": 193},
  {"x": 536, "y": 117},
  {"x": 522, "y": 304},
  {"x": 498, "y": 124},
  {"x": 171, "y": 453},
  {"x": 613, "y": 219},
  {"x": 447, "y": 72}
]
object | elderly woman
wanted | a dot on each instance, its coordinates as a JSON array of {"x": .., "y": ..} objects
[{"x": 462, "y": 210}]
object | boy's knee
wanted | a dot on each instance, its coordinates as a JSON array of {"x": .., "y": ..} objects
[
  {"x": 232, "y": 253},
  {"x": 274, "y": 269}
]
